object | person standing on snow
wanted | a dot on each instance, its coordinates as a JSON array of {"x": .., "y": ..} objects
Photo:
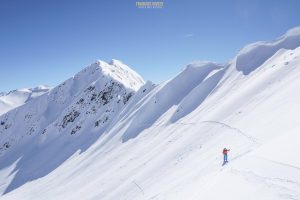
[{"x": 225, "y": 152}]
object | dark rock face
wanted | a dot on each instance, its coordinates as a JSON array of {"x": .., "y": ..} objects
[{"x": 70, "y": 118}]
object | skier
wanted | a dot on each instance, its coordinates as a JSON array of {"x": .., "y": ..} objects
[{"x": 225, "y": 152}]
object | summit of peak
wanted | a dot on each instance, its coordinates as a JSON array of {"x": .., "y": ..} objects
[{"x": 114, "y": 69}]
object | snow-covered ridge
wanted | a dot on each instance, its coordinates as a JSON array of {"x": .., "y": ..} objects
[{"x": 254, "y": 55}]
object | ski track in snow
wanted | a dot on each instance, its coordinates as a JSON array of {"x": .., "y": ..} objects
[{"x": 254, "y": 140}]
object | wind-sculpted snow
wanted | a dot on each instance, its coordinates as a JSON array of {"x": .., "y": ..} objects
[
  {"x": 169, "y": 94},
  {"x": 104, "y": 134},
  {"x": 254, "y": 55},
  {"x": 198, "y": 94}
]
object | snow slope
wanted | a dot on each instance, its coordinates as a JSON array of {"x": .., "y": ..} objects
[
  {"x": 17, "y": 98},
  {"x": 147, "y": 141}
]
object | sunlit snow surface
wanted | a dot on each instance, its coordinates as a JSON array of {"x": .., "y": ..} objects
[{"x": 105, "y": 134}]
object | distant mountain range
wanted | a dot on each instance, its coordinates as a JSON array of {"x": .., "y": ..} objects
[{"x": 17, "y": 98}]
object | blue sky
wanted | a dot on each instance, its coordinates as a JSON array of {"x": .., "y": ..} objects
[{"x": 46, "y": 42}]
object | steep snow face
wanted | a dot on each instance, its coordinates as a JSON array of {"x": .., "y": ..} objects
[
  {"x": 166, "y": 141},
  {"x": 166, "y": 97},
  {"x": 15, "y": 98},
  {"x": 254, "y": 55}
]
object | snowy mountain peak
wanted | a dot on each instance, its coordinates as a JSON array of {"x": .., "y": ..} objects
[
  {"x": 121, "y": 72},
  {"x": 99, "y": 74},
  {"x": 113, "y": 70}
]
